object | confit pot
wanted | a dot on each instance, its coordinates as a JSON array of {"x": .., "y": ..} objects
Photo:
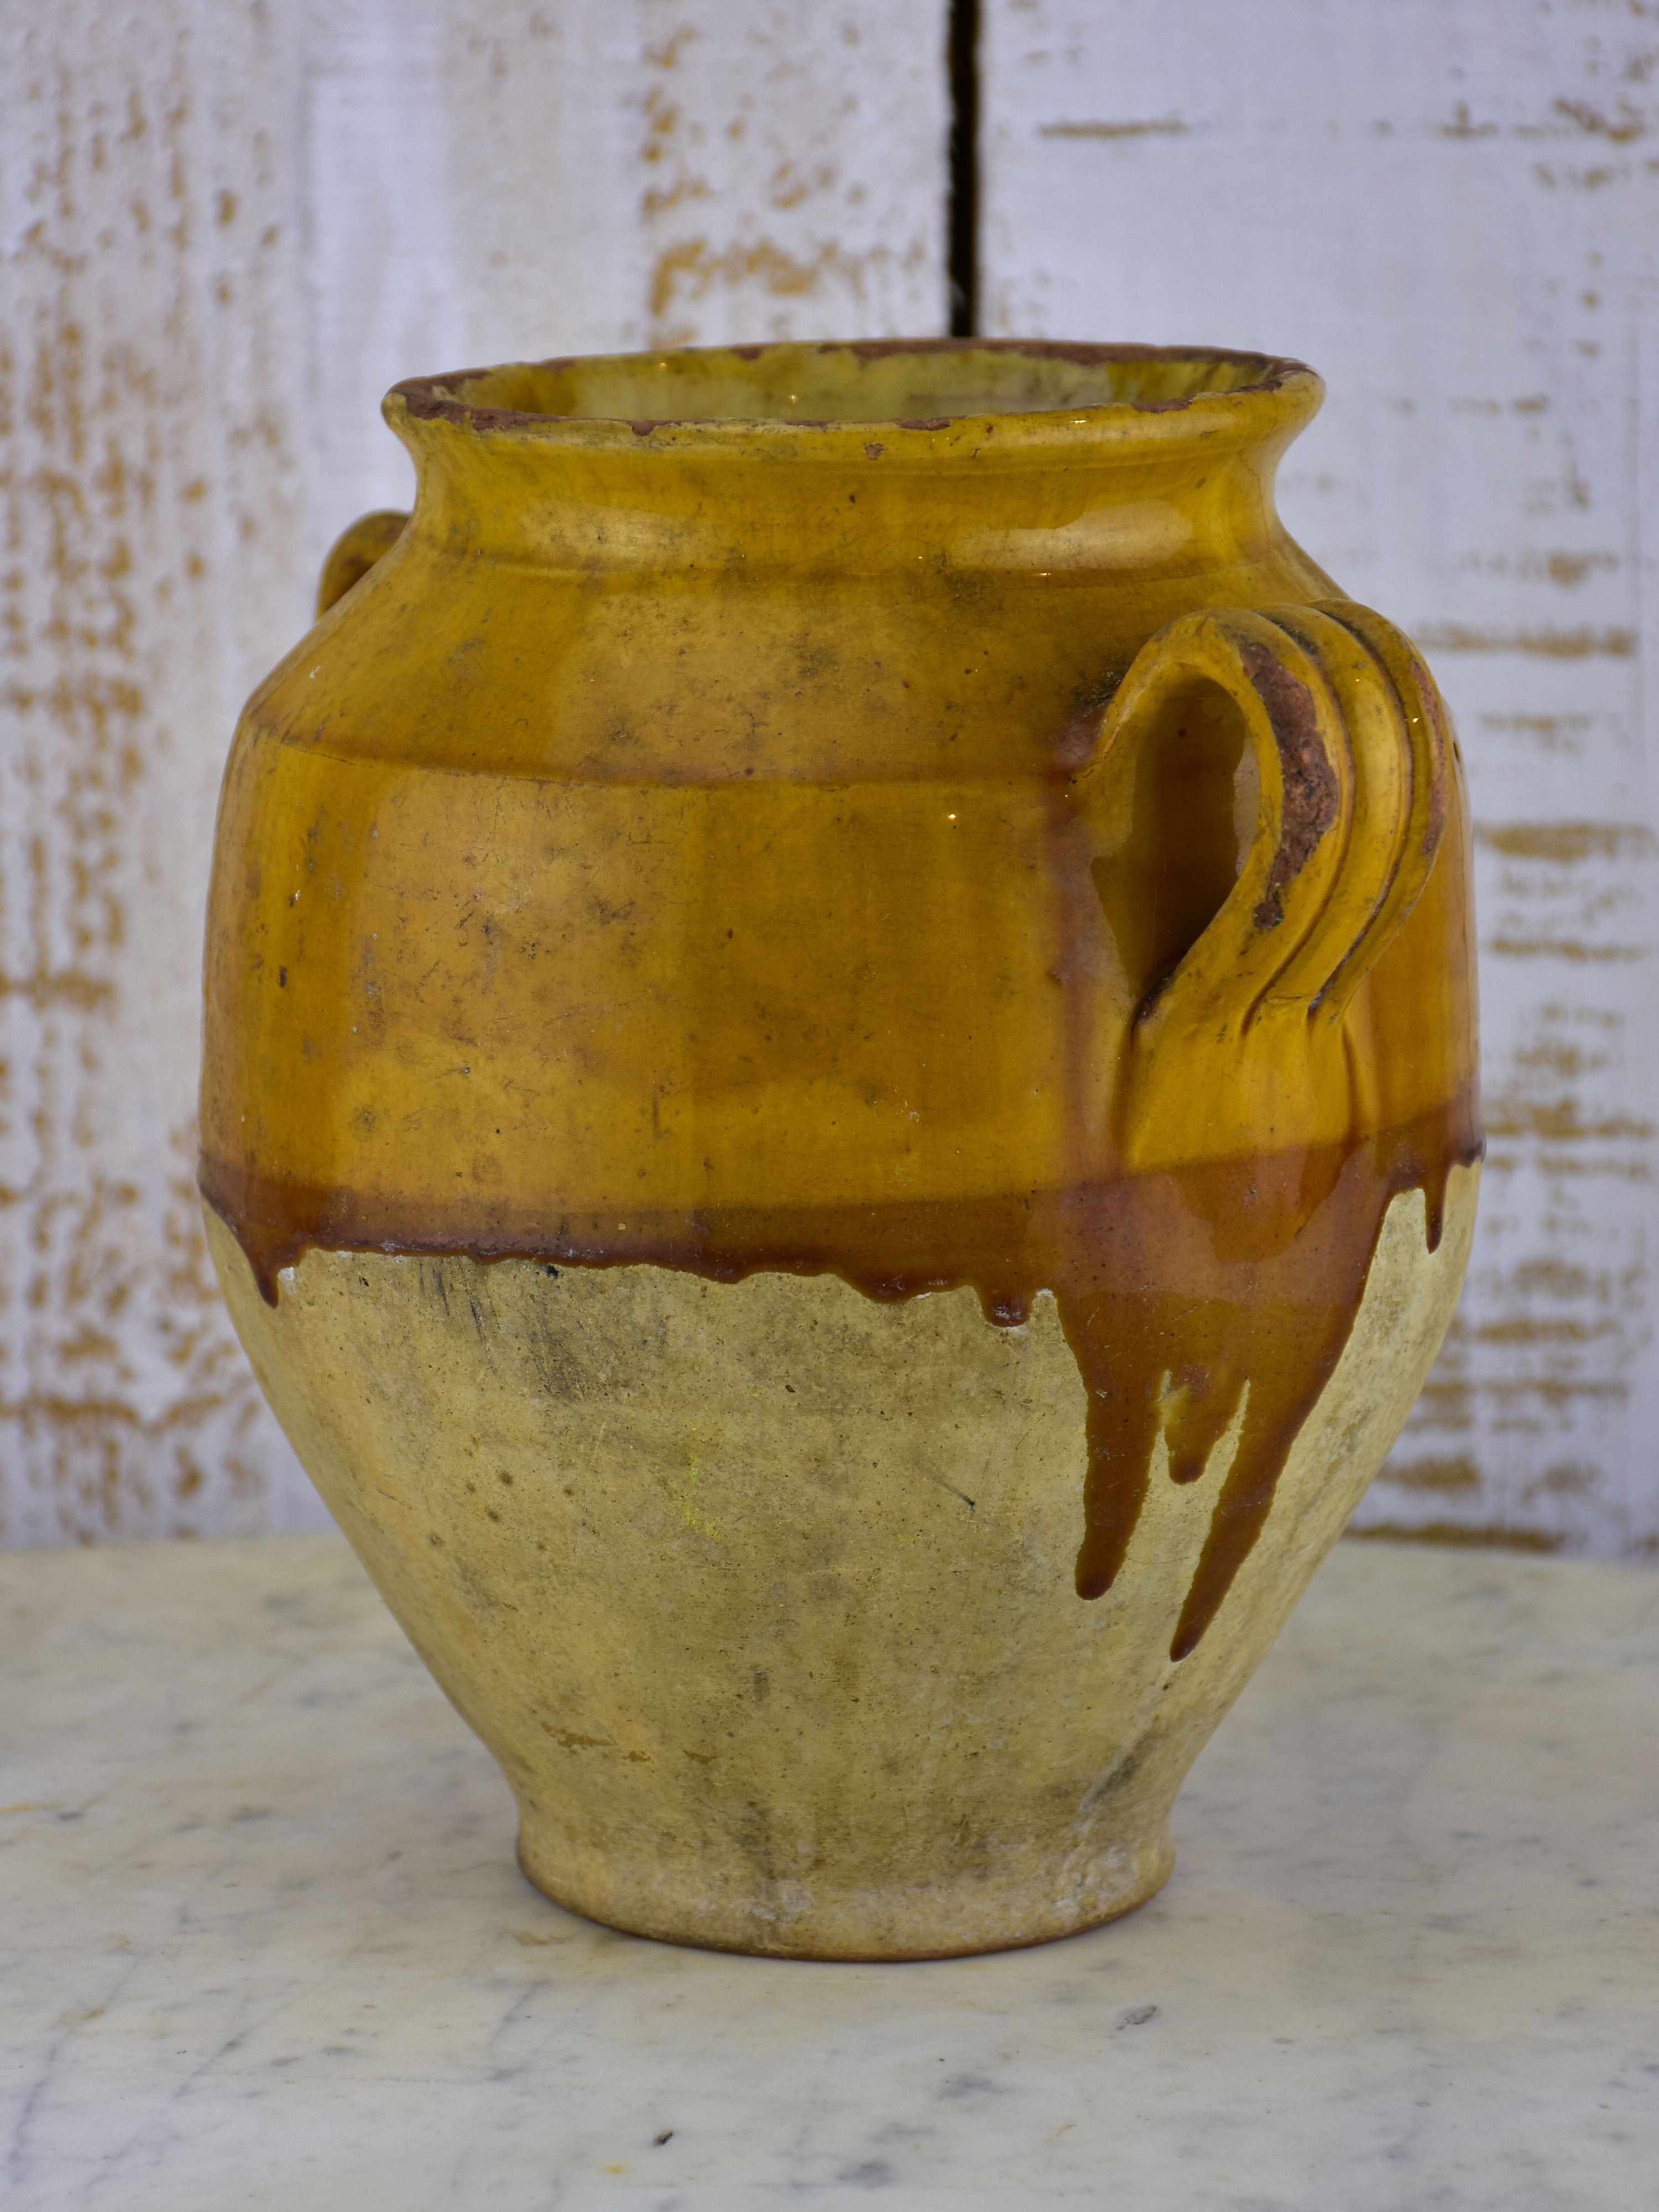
[{"x": 839, "y": 1104}]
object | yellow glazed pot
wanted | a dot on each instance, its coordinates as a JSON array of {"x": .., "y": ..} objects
[{"x": 839, "y": 1108}]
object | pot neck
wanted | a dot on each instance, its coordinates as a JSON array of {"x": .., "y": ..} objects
[{"x": 1160, "y": 452}]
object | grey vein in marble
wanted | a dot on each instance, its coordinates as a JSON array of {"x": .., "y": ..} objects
[{"x": 265, "y": 1946}]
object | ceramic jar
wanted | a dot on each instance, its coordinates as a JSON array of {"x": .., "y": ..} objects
[{"x": 839, "y": 1104}]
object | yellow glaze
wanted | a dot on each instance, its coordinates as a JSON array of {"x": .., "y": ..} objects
[{"x": 895, "y": 825}]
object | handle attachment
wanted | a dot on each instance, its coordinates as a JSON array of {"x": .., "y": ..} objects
[
  {"x": 1240, "y": 1003},
  {"x": 355, "y": 552}
]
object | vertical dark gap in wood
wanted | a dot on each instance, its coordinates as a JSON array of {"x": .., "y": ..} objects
[{"x": 964, "y": 169}]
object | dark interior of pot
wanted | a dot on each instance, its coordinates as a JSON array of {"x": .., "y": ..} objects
[{"x": 880, "y": 382}]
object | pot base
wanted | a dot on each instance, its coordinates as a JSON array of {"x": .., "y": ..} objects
[{"x": 871, "y": 1927}]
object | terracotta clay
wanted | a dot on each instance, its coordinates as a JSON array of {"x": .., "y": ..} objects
[{"x": 840, "y": 1104}]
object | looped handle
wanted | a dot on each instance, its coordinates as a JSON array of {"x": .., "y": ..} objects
[
  {"x": 1351, "y": 753},
  {"x": 355, "y": 552}
]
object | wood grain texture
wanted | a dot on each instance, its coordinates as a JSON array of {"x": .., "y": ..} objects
[
  {"x": 1451, "y": 209},
  {"x": 151, "y": 560},
  {"x": 224, "y": 230},
  {"x": 504, "y": 179}
]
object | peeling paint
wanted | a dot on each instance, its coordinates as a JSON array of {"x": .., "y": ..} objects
[
  {"x": 1487, "y": 460},
  {"x": 209, "y": 283},
  {"x": 1555, "y": 644},
  {"x": 1568, "y": 843},
  {"x": 792, "y": 180},
  {"x": 191, "y": 406},
  {"x": 1460, "y": 1535},
  {"x": 125, "y": 1405},
  {"x": 1164, "y": 127}
]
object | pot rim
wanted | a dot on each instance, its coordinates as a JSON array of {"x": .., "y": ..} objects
[{"x": 1278, "y": 396}]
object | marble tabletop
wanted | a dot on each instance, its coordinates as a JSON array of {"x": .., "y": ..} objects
[{"x": 264, "y": 1944}]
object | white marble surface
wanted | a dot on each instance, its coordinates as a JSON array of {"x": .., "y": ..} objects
[{"x": 265, "y": 1945}]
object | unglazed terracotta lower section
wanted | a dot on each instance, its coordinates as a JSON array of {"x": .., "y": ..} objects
[{"x": 762, "y": 1593}]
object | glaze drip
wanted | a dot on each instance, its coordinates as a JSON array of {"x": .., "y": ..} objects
[{"x": 1196, "y": 1303}]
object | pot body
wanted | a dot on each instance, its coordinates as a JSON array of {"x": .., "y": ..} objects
[{"x": 838, "y": 1106}]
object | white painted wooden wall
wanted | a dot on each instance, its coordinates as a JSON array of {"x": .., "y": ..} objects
[
  {"x": 1451, "y": 207},
  {"x": 226, "y": 226}
]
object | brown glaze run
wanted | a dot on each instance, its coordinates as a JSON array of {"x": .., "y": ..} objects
[{"x": 1191, "y": 1299}]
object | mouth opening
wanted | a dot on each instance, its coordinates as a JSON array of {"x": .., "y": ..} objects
[{"x": 914, "y": 384}]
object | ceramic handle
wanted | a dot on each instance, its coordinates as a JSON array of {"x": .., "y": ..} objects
[
  {"x": 1241, "y": 979},
  {"x": 1352, "y": 759},
  {"x": 355, "y": 552}
]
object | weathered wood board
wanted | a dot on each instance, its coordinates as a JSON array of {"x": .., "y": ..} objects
[
  {"x": 227, "y": 228},
  {"x": 1451, "y": 207}
]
